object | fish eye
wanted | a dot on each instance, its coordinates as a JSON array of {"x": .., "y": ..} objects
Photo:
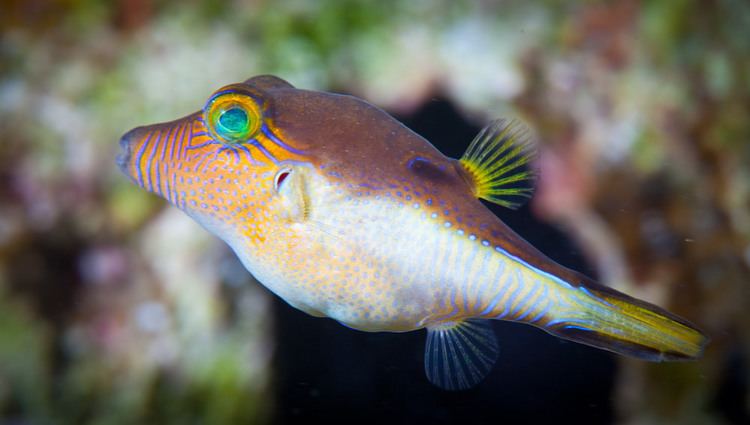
[
  {"x": 232, "y": 117},
  {"x": 234, "y": 120}
]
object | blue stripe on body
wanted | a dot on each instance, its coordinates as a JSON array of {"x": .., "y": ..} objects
[
  {"x": 465, "y": 286},
  {"x": 596, "y": 297},
  {"x": 544, "y": 273},
  {"x": 175, "y": 138},
  {"x": 202, "y": 161},
  {"x": 276, "y": 140},
  {"x": 452, "y": 252},
  {"x": 509, "y": 302},
  {"x": 165, "y": 143},
  {"x": 578, "y": 327},
  {"x": 231, "y": 150},
  {"x": 436, "y": 267},
  {"x": 523, "y": 301},
  {"x": 174, "y": 187},
  {"x": 506, "y": 287},
  {"x": 158, "y": 178},
  {"x": 249, "y": 155},
  {"x": 182, "y": 137},
  {"x": 543, "y": 311},
  {"x": 139, "y": 157},
  {"x": 151, "y": 161},
  {"x": 493, "y": 303},
  {"x": 537, "y": 270},
  {"x": 474, "y": 275},
  {"x": 474, "y": 281},
  {"x": 165, "y": 168},
  {"x": 200, "y": 145},
  {"x": 567, "y": 320},
  {"x": 265, "y": 152},
  {"x": 526, "y": 301}
]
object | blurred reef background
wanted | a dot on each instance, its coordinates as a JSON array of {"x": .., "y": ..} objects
[{"x": 118, "y": 309}]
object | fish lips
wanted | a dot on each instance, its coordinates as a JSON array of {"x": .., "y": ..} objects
[
  {"x": 126, "y": 152},
  {"x": 128, "y": 143}
]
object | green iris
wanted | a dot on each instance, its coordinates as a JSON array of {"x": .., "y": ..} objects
[
  {"x": 234, "y": 121},
  {"x": 232, "y": 117}
]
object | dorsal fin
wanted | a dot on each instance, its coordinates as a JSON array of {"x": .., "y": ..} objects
[{"x": 499, "y": 163}]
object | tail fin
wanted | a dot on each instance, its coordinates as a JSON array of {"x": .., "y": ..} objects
[{"x": 616, "y": 322}]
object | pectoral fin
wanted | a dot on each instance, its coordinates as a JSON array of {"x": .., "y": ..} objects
[
  {"x": 291, "y": 185},
  {"x": 459, "y": 355},
  {"x": 498, "y": 163}
]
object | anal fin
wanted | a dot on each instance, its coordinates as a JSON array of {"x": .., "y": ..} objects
[{"x": 458, "y": 355}]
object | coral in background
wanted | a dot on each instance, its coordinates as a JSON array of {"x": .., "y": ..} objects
[{"x": 116, "y": 308}]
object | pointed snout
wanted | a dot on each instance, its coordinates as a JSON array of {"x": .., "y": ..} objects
[
  {"x": 152, "y": 155},
  {"x": 123, "y": 159}
]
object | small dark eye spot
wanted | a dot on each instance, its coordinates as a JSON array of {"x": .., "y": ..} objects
[
  {"x": 426, "y": 169},
  {"x": 281, "y": 176}
]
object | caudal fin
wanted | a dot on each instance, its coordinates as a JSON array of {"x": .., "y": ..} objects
[{"x": 616, "y": 322}]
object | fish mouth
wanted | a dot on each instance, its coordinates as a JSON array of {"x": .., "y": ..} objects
[{"x": 123, "y": 158}]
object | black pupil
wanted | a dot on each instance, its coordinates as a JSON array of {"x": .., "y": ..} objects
[{"x": 234, "y": 120}]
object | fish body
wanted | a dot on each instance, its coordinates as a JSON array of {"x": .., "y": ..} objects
[{"x": 345, "y": 213}]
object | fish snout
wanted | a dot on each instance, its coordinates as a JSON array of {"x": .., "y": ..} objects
[{"x": 126, "y": 150}]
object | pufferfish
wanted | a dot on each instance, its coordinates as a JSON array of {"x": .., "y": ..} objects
[{"x": 345, "y": 213}]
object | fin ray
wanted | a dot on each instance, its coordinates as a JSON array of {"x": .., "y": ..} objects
[
  {"x": 459, "y": 355},
  {"x": 498, "y": 160}
]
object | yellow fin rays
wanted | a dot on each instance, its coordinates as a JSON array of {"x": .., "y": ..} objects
[{"x": 498, "y": 162}]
